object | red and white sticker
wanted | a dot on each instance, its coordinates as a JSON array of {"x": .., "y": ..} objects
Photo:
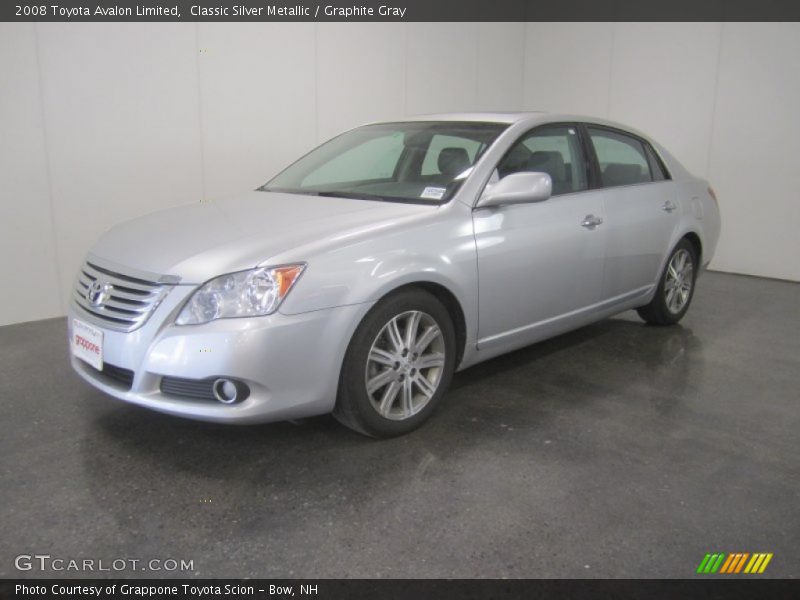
[{"x": 87, "y": 343}]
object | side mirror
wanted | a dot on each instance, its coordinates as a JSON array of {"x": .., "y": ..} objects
[{"x": 517, "y": 188}]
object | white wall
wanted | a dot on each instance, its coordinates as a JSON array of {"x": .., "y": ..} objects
[
  {"x": 722, "y": 97},
  {"x": 103, "y": 122},
  {"x": 754, "y": 160},
  {"x": 27, "y": 245}
]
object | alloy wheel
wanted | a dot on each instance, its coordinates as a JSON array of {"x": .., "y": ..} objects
[
  {"x": 679, "y": 281},
  {"x": 405, "y": 365}
]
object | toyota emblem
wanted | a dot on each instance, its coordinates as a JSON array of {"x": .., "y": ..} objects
[{"x": 98, "y": 293}]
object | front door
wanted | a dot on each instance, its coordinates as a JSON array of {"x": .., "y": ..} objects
[{"x": 540, "y": 264}]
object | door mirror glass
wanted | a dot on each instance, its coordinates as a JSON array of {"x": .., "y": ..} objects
[{"x": 517, "y": 188}]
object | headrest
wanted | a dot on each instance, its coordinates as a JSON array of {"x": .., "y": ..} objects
[
  {"x": 551, "y": 163},
  {"x": 516, "y": 160},
  {"x": 453, "y": 161}
]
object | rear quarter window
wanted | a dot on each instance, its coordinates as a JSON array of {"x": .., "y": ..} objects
[{"x": 657, "y": 167}]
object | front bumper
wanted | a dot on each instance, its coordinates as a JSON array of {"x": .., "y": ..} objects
[{"x": 291, "y": 363}]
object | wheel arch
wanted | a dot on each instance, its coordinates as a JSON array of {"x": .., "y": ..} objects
[
  {"x": 694, "y": 239},
  {"x": 451, "y": 303}
]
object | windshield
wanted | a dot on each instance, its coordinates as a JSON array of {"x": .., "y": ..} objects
[{"x": 400, "y": 162}]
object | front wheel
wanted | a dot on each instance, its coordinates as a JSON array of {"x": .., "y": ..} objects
[
  {"x": 675, "y": 288},
  {"x": 398, "y": 365}
]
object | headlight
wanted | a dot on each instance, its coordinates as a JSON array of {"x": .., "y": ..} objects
[{"x": 244, "y": 294}]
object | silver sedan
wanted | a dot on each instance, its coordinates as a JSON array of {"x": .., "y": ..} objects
[{"x": 362, "y": 276}]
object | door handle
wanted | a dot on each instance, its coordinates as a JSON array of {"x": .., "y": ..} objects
[
  {"x": 591, "y": 222},
  {"x": 668, "y": 206}
]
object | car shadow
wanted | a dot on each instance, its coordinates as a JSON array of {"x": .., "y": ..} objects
[
  {"x": 609, "y": 357},
  {"x": 605, "y": 357}
]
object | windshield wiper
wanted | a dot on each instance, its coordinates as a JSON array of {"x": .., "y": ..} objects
[
  {"x": 354, "y": 195},
  {"x": 343, "y": 194}
]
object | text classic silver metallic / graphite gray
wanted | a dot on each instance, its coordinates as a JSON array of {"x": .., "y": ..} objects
[{"x": 362, "y": 276}]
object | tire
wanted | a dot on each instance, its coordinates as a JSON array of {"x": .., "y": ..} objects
[
  {"x": 675, "y": 288},
  {"x": 384, "y": 389}
]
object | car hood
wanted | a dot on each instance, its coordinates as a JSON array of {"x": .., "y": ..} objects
[{"x": 199, "y": 241}]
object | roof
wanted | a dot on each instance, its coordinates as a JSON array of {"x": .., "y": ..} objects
[
  {"x": 530, "y": 118},
  {"x": 480, "y": 117}
]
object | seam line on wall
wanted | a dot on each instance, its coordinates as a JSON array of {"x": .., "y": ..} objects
[
  {"x": 200, "y": 114},
  {"x": 524, "y": 74},
  {"x": 478, "y": 104},
  {"x": 316, "y": 84},
  {"x": 611, "y": 68},
  {"x": 405, "y": 69},
  {"x": 713, "y": 126},
  {"x": 48, "y": 173}
]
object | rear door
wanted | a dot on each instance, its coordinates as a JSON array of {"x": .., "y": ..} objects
[
  {"x": 539, "y": 263},
  {"x": 640, "y": 207}
]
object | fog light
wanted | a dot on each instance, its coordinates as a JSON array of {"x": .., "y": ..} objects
[{"x": 228, "y": 391}]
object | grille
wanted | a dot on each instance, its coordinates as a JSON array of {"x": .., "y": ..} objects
[
  {"x": 199, "y": 389},
  {"x": 121, "y": 302},
  {"x": 123, "y": 376}
]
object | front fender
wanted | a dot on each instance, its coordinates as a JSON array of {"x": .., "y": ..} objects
[{"x": 439, "y": 251}]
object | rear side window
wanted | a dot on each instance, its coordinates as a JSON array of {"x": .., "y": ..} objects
[{"x": 623, "y": 159}]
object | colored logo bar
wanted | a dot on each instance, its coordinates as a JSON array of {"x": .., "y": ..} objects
[{"x": 736, "y": 562}]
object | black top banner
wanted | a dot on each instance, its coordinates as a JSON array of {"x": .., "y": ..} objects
[{"x": 401, "y": 10}]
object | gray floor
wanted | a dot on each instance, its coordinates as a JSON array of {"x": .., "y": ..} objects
[{"x": 619, "y": 450}]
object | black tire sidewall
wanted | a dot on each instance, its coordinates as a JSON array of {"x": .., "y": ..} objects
[{"x": 353, "y": 405}]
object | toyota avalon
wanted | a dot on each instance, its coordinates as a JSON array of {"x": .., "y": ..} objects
[{"x": 360, "y": 278}]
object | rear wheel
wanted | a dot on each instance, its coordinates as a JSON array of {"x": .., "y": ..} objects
[
  {"x": 675, "y": 288},
  {"x": 398, "y": 365}
]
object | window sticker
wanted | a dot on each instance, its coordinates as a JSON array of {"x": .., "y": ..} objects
[{"x": 434, "y": 193}]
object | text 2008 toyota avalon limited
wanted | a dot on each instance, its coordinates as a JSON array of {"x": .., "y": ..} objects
[{"x": 361, "y": 277}]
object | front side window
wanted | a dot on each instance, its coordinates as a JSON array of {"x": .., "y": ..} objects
[
  {"x": 555, "y": 150},
  {"x": 622, "y": 158},
  {"x": 403, "y": 162}
]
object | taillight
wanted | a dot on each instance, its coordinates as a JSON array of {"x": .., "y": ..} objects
[{"x": 713, "y": 195}]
